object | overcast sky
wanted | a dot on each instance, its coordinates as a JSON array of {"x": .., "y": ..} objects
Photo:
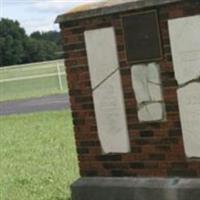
[{"x": 37, "y": 14}]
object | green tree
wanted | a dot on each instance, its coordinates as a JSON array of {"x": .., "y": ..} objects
[
  {"x": 52, "y": 37},
  {"x": 12, "y": 38},
  {"x": 39, "y": 50},
  {"x": 48, "y": 36},
  {"x": 17, "y": 48}
]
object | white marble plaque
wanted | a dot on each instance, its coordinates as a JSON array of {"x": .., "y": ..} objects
[
  {"x": 185, "y": 44},
  {"x": 151, "y": 112},
  {"x": 148, "y": 91},
  {"x": 108, "y": 95},
  {"x": 189, "y": 103},
  {"x": 102, "y": 54}
]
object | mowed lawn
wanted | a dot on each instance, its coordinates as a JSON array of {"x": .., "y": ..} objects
[
  {"x": 32, "y": 80},
  {"x": 26, "y": 89},
  {"x": 37, "y": 156}
]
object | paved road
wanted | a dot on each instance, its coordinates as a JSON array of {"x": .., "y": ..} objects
[{"x": 49, "y": 103}]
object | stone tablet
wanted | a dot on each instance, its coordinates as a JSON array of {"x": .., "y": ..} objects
[
  {"x": 185, "y": 44},
  {"x": 151, "y": 112},
  {"x": 148, "y": 91},
  {"x": 107, "y": 94},
  {"x": 189, "y": 103}
]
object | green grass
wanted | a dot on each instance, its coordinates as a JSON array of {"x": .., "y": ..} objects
[
  {"x": 22, "y": 89},
  {"x": 37, "y": 156},
  {"x": 30, "y": 70},
  {"x": 31, "y": 88}
]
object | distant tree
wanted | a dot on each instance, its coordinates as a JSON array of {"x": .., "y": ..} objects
[
  {"x": 12, "y": 38},
  {"x": 36, "y": 35},
  {"x": 17, "y": 48},
  {"x": 39, "y": 50},
  {"x": 50, "y": 36}
]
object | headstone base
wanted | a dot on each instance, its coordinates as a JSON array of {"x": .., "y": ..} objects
[{"x": 136, "y": 189}]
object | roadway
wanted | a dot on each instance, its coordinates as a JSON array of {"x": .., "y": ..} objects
[{"x": 48, "y": 103}]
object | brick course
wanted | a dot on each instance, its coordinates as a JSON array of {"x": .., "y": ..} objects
[{"x": 156, "y": 148}]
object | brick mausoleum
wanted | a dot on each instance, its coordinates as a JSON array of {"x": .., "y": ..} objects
[{"x": 133, "y": 70}]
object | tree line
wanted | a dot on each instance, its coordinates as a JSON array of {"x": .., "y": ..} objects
[{"x": 16, "y": 47}]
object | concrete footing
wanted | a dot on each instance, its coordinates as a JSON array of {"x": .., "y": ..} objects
[{"x": 136, "y": 189}]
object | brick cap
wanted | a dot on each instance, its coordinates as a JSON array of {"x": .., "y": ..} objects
[{"x": 110, "y": 7}]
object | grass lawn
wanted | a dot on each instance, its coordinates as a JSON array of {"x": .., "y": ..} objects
[
  {"x": 37, "y": 156},
  {"x": 31, "y": 87}
]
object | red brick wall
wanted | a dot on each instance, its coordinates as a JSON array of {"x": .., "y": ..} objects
[{"x": 156, "y": 148}]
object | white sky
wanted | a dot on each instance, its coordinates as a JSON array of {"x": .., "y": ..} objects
[{"x": 36, "y": 15}]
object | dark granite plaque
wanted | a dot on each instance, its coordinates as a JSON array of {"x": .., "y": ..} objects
[{"x": 142, "y": 37}]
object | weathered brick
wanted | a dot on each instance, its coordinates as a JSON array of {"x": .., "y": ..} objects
[{"x": 156, "y": 148}]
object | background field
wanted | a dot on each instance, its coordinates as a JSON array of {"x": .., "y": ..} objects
[
  {"x": 32, "y": 80},
  {"x": 38, "y": 159}
]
